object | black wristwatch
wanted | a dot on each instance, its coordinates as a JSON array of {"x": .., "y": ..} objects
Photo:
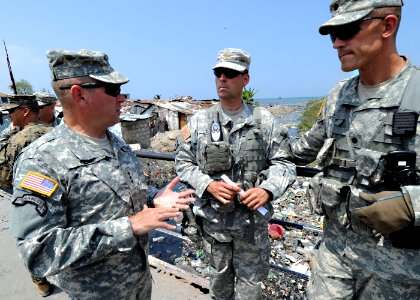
[{"x": 149, "y": 203}]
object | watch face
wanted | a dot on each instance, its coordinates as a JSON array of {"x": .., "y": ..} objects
[{"x": 215, "y": 132}]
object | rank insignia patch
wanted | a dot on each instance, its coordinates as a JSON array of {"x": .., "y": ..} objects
[
  {"x": 185, "y": 132},
  {"x": 39, "y": 183}
]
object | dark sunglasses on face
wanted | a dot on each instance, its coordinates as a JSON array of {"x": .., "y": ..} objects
[
  {"x": 229, "y": 73},
  {"x": 348, "y": 31},
  {"x": 110, "y": 89}
]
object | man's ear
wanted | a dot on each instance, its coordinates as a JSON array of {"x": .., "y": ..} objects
[
  {"x": 76, "y": 93},
  {"x": 246, "y": 79},
  {"x": 26, "y": 111},
  {"x": 391, "y": 25}
]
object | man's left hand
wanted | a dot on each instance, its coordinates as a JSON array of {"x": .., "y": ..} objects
[
  {"x": 388, "y": 212},
  {"x": 254, "y": 198},
  {"x": 168, "y": 198}
]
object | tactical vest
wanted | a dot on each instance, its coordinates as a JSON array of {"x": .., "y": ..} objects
[
  {"x": 342, "y": 168},
  {"x": 252, "y": 158}
]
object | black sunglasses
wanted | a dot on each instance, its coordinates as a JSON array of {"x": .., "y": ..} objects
[
  {"x": 110, "y": 89},
  {"x": 229, "y": 73},
  {"x": 348, "y": 31}
]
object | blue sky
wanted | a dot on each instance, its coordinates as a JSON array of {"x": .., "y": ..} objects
[{"x": 169, "y": 47}]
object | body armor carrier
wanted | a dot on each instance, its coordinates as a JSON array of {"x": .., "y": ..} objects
[{"x": 347, "y": 163}]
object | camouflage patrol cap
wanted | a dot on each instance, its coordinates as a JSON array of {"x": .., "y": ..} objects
[
  {"x": 347, "y": 11},
  {"x": 45, "y": 99},
  {"x": 69, "y": 64},
  {"x": 20, "y": 101},
  {"x": 235, "y": 59}
]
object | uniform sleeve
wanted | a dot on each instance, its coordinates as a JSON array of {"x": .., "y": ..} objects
[
  {"x": 186, "y": 163},
  {"x": 8, "y": 156},
  {"x": 414, "y": 192},
  {"x": 47, "y": 243},
  {"x": 281, "y": 173},
  {"x": 305, "y": 149}
]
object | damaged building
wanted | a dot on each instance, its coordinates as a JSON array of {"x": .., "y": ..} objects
[{"x": 143, "y": 119}]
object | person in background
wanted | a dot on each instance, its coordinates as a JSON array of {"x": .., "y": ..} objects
[
  {"x": 80, "y": 209},
  {"x": 241, "y": 141},
  {"x": 23, "y": 111},
  {"x": 367, "y": 142},
  {"x": 47, "y": 113}
]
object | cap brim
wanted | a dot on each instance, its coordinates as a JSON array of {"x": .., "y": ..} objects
[
  {"x": 8, "y": 106},
  {"x": 343, "y": 19},
  {"x": 229, "y": 65},
  {"x": 113, "y": 77}
]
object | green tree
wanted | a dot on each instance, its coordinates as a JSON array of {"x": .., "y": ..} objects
[
  {"x": 23, "y": 87},
  {"x": 248, "y": 95}
]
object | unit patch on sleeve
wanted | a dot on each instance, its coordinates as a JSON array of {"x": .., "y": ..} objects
[
  {"x": 185, "y": 131},
  {"x": 39, "y": 203},
  {"x": 39, "y": 183}
]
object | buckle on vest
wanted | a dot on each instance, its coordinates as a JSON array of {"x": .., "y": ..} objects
[{"x": 343, "y": 162}]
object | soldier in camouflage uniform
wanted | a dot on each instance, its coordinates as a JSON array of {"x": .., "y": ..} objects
[
  {"x": 242, "y": 142},
  {"x": 47, "y": 113},
  {"x": 367, "y": 142},
  {"x": 79, "y": 211},
  {"x": 24, "y": 114}
]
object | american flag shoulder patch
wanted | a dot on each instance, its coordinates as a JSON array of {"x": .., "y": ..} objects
[
  {"x": 39, "y": 183},
  {"x": 185, "y": 131}
]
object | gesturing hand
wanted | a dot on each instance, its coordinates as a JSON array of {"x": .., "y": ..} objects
[
  {"x": 168, "y": 198},
  {"x": 152, "y": 218}
]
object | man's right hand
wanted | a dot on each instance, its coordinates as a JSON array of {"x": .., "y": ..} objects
[
  {"x": 223, "y": 191},
  {"x": 152, "y": 218}
]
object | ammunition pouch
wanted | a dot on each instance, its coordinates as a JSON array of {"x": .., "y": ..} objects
[{"x": 218, "y": 157}]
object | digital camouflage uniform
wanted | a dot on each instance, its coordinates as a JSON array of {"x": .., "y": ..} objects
[
  {"x": 80, "y": 236},
  {"x": 236, "y": 238},
  {"x": 14, "y": 146},
  {"x": 352, "y": 138}
]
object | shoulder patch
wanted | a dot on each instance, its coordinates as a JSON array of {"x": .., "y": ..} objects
[
  {"x": 185, "y": 132},
  {"x": 39, "y": 183},
  {"x": 39, "y": 203}
]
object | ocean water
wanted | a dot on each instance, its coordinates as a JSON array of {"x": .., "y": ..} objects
[{"x": 301, "y": 101}]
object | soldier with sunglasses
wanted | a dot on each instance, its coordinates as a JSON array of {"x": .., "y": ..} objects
[
  {"x": 242, "y": 142},
  {"x": 81, "y": 210},
  {"x": 367, "y": 141}
]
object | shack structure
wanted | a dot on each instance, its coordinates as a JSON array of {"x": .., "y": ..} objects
[{"x": 143, "y": 119}]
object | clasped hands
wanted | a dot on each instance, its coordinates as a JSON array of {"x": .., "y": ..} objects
[
  {"x": 253, "y": 198},
  {"x": 387, "y": 212},
  {"x": 167, "y": 205}
]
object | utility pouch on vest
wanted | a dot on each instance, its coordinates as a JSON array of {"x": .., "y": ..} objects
[
  {"x": 218, "y": 157},
  {"x": 313, "y": 194},
  {"x": 370, "y": 167}
]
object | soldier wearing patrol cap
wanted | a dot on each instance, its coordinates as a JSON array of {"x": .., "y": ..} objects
[
  {"x": 241, "y": 141},
  {"x": 82, "y": 193},
  {"x": 367, "y": 141},
  {"x": 47, "y": 113},
  {"x": 24, "y": 113}
]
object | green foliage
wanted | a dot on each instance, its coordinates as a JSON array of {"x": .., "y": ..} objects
[
  {"x": 23, "y": 87},
  {"x": 248, "y": 95},
  {"x": 310, "y": 115}
]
